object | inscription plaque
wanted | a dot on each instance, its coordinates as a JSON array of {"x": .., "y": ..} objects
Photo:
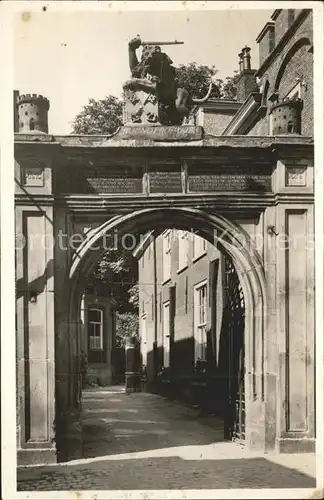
[
  {"x": 103, "y": 180},
  {"x": 209, "y": 180},
  {"x": 165, "y": 181},
  {"x": 296, "y": 176},
  {"x": 33, "y": 176}
]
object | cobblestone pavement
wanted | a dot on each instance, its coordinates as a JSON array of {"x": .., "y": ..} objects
[{"x": 142, "y": 441}]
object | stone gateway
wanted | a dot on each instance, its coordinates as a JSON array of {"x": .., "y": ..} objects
[{"x": 249, "y": 189}]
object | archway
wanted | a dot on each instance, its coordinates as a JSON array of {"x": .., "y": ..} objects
[{"x": 232, "y": 240}]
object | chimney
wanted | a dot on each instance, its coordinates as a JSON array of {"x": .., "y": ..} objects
[
  {"x": 241, "y": 61},
  {"x": 266, "y": 41},
  {"x": 246, "y": 79},
  {"x": 246, "y": 57}
]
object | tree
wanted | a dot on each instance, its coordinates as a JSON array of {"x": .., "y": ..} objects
[
  {"x": 196, "y": 79},
  {"x": 229, "y": 89},
  {"x": 126, "y": 327},
  {"x": 104, "y": 116},
  {"x": 99, "y": 117},
  {"x": 116, "y": 275}
]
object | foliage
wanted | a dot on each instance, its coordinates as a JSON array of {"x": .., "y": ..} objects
[
  {"x": 104, "y": 116},
  {"x": 116, "y": 276},
  {"x": 126, "y": 327},
  {"x": 196, "y": 79},
  {"x": 99, "y": 117},
  {"x": 229, "y": 89}
]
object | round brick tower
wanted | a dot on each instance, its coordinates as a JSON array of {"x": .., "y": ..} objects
[
  {"x": 33, "y": 114},
  {"x": 286, "y": 117}
]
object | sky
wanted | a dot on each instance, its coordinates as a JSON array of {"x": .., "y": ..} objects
[{"x": 70, "y": 57}]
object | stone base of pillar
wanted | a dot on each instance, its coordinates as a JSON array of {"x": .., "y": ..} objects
[
  {"x": 69, "y": 437},
  {"x": 74, "y": 440},
  {"x": 294, "y": 445},
  {"x": 255, "y": 426},
  {"x": 36, "y": 456}
]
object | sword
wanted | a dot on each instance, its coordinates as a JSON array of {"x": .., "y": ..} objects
[{"x": 174, "y": 42}]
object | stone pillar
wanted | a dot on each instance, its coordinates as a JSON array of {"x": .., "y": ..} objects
[
  {"x": 35, "y": 313},
  {"x": 35, "y": 335},
  {"x": 271, "y": 328},
  {"x": 133, "y": 366},
  {"x": 294, "y": 233},
  {"x": 68, "y": 348},
  {"x": 254, "y": 333}
]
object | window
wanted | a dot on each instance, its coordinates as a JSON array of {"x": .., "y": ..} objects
[
  {"x": 144, "y": 340},
  {"x": 166, "y": 334},
  {"x": 167, "y": 255},
  {"x": 183, "y": 249},
  {"x": 200, "y": 321},
  {"x": 199, "y": 246},
  {"x": 95, "y": 329},
  {"x": 186, "y": 296}
]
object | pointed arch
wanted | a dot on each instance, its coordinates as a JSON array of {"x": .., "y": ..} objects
[{"x": 291, "y": 52}]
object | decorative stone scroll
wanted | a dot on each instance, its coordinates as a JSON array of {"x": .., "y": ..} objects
[
  {"x": 296, "y": 176},
  {"x": 33, "y": 176}
]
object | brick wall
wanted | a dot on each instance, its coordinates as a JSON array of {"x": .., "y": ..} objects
[
  {"x": 299, "y": 64},
  {"x": 283, "y": 22},
  {"x": 261, "y": 127}
]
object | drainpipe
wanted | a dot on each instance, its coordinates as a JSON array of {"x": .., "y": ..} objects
[{"x": 155, "y": 307}]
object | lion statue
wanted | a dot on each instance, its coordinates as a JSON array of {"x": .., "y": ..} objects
[{"x": 155, "y": 75}]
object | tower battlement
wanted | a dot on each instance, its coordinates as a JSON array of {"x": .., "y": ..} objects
[
  {"x": 286, "y": 116},
  {"x": 36, "y": 99},
  {"x": 33, "y": 113}
]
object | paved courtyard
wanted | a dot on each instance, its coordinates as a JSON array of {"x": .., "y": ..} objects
[{"x": 142, "y": 441}]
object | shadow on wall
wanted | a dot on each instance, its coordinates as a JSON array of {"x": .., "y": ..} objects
[
  {"x": 37, "y": 286},
  {"x": 211, "y": 385}
]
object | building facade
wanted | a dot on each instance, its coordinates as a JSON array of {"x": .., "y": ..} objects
[
  {"x": 175, "y": 299},
  {"x": 277, "y": 98},
  {"x": 191, "y": 302},
  {"x": 98, "y": 337}
]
